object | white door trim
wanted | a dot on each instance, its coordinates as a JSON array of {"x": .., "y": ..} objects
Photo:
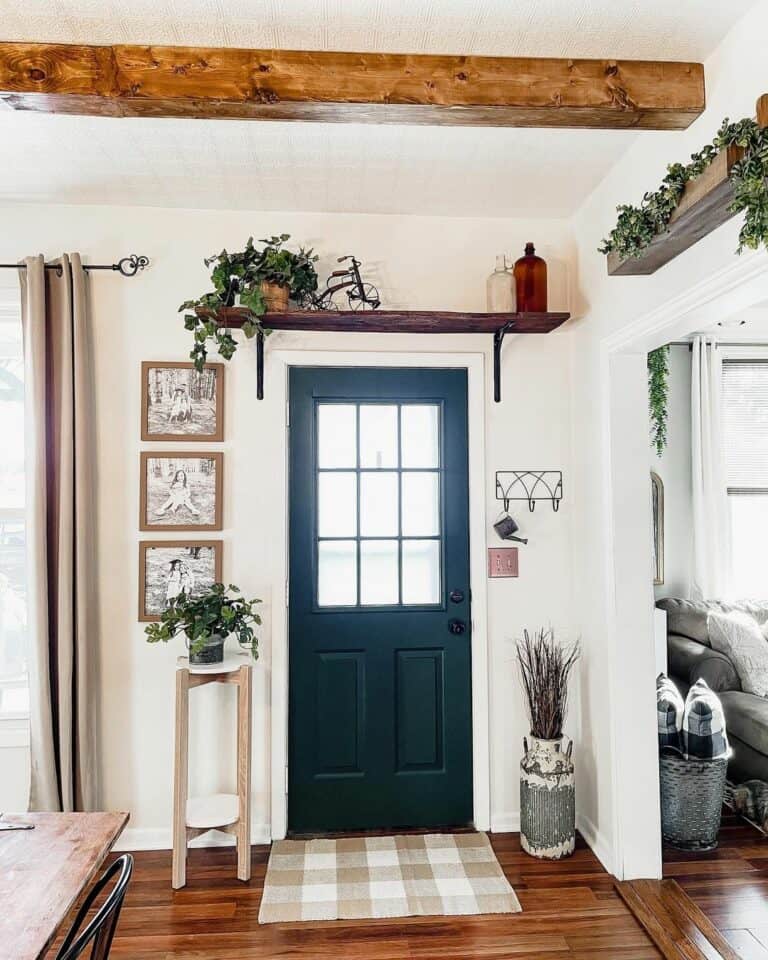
[
  {"x": 627, "y": 528},
  {"x": 277, "y": 364}
]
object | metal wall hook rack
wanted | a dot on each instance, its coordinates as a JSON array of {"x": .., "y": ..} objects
[{"x": 530, "y": 485}]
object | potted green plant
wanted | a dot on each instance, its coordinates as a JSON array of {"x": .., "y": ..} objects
[
  {"x": 261, "y": 279},
  {"x": 206, "y": 621}
]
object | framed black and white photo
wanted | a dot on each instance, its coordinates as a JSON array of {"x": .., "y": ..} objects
[
  {"x": 180, "y": 491},
  {"x": 657, "y": 507},
  {"x": 170, "y": 567},
  {"x": 180, "y": 403}
]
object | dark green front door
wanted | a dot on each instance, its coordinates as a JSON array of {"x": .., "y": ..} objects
[{"x": 380, "y": 721}]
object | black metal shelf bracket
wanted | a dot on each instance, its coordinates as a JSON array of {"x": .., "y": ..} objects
[
  {"x": 530, "y": 485},
  {"x": 498, "y": 340},
  {"x": 259, "y": 364}
]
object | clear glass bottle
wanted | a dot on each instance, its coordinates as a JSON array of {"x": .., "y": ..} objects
[
  {"x": 500, "y": 288},
  {"x": 531, "y": 282}
]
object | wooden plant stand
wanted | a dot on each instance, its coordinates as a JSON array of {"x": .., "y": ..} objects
[{"x": 230, "y": 813}]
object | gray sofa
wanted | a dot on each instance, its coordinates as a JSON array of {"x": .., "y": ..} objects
[{"x": 690, "y": 657}]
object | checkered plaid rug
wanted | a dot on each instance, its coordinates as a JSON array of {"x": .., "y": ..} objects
[{"x": 360, "y": 877}]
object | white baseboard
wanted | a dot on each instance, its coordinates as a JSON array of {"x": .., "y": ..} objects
[
  {"x": 138, "y": 838},
  {"x": 505, "y": 823},
  {"x": 161, "y": 838},
  {"x": 595, "y": 840},
  {"x": 510, "y": 823}
]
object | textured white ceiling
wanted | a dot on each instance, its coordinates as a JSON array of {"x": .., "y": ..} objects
[{"x": 344, "y": 168}]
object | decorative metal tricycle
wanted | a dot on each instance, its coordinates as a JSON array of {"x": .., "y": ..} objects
[{"x": 361, "y": 295}]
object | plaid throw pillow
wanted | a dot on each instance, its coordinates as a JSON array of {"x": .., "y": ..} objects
[
  {"x": 704, "y": 736},
  {"x": 669, "y": 714}
]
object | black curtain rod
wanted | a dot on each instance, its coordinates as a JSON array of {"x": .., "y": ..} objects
[
  {"x": 722, "y": 343},
  {"x": 127, "y": 267}
]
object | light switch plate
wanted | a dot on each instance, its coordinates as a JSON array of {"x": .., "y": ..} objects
[{"x": 502, "y": 562}]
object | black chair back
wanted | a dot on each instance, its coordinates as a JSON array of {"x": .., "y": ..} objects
[{"x": 101, "y": 929}]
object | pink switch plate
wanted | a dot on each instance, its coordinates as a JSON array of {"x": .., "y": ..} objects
[{"x": 502, "y": 562}]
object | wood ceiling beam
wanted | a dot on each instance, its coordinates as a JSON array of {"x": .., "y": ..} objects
[{"x": 220, "y": 83}]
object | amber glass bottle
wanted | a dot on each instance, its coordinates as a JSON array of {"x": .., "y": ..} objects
[{"x": 531, "y": 282}]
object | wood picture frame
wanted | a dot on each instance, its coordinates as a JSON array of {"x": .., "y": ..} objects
[
  {"x": 163, "y": 493},
  {"x": 168, "y": 549},
  {"x": 188, "y": 411},
  {"x": 657, "y": 509}
]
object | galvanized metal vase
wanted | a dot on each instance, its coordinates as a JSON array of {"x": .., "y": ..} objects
[
  {"x": 547, "y": 799},
  {"x": 212, "y": 651}
]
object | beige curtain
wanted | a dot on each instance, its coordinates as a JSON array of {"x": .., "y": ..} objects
[{"x": 60, "y": 535}]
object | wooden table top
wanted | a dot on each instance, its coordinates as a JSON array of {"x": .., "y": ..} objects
[{"x": 43, "y": 871}]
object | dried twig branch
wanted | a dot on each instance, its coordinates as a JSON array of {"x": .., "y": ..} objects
[{"x": 545, "y": 666}]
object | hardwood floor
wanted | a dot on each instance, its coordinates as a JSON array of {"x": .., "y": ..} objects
[
  {"x": 676, "y": 924},
  {"x": 571, "y": 911},
  {"x": 730, "y": 885}
]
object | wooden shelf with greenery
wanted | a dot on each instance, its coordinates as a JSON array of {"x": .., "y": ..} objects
[
  {"x": 706, "y": 202},
  {"x": 395, "y": 321},
  {"x": 704, "y": 206}
]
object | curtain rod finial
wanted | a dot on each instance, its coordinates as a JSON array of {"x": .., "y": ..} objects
[{"x": 130, "y": 266}]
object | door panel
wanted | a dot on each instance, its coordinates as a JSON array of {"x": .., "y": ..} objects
[
  {"x": 340, "y": 715},
  {"x": 420, "y": 720},
  {"x": 380, "y": 687}
]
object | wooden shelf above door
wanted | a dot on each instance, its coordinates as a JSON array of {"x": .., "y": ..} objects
[
  {"x": 394, "y": 321},
  {"x": 399, "y": 321}
]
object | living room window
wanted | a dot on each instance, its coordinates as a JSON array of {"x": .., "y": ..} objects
[
  {"x": 14, "y": 688},
  {"x": 745, "y": 439}
]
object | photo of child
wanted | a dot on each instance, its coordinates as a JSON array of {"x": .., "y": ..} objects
[
  {"x": 181, "y": 492},
  {"x": 179, "y": 402},
  {"x": 168, "y": 569}
]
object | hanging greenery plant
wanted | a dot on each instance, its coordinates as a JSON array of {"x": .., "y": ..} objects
[
  {"x": 658, "y": 395},
  {"x": 636, "y": 226},
  {"x": 249, "y": 274}
]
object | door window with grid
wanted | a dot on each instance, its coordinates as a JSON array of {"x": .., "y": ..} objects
[
  {"x": 378, "y": 510},
  {"x": 745, "y": 437}
]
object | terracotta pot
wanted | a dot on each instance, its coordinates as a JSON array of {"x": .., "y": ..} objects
[{"x": 275, "y": 296}]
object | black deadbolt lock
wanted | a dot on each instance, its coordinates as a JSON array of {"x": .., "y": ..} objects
[{"x": 456, "y": 596}]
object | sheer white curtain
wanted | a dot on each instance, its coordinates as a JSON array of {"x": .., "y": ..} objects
[{"x": 711, "y": 547}]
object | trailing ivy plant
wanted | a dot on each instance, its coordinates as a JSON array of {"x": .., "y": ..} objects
[
  {"x": 243, "y": 273},
  {"x": 636, "y": 226},
  {"x": 658, "y": 394},
  {"x": 220, "y": 611}
]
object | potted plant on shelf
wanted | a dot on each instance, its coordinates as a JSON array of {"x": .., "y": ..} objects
[
  {"x": 260, "y": 279},
  {"x": 206, "y": 621},
  {"x": 547, "y": 791}
]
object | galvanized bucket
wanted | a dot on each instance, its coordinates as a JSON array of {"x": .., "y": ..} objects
[{"x": 692, "y": 794}]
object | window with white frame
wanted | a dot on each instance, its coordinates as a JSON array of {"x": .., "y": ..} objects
[
  {"x": 745, "y": 438},
  {"x": 14, "y": 689}
]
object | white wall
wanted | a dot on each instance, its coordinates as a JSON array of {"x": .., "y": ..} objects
[
  {"x": 606, "y": 306},
  {"x": 674, "y": 468},
  {"x": 420, "y": 263},
  {"x": 558, "y": 396}
]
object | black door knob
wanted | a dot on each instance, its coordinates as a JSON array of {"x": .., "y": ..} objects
[
  {"x": 456, "y": 596},
  {"x": 457, "y": 626}
]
